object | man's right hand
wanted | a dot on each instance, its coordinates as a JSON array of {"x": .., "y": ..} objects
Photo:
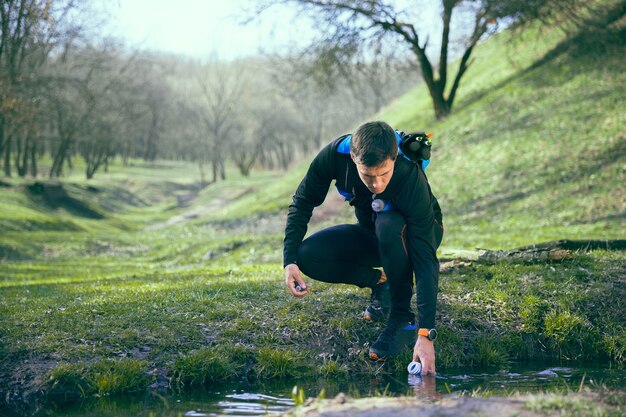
[{"x": 293, "y": 278}]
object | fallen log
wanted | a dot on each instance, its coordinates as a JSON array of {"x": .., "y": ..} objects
[{"x": 553, "y": 251}]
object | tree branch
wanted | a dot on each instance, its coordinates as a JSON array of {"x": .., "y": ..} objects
[
  {"x": 480, "y": 27},
  {"x": 445, "y": 36}
]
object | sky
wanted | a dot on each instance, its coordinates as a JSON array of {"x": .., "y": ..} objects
[
  {"x": 204, "y": 28},
  {"x": 214, "y": 28}
]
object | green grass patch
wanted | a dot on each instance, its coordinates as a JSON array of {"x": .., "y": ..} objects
[
  {"x": 573, "y": 405},
  {"x": 274, "y": 363},
  {"x": 524, "y": 311},
  {"x": 207, "y": 366},
  {"x": 103, "y": 377}
]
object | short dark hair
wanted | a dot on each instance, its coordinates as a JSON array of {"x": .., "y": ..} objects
[{"x": 373, "y": 143}]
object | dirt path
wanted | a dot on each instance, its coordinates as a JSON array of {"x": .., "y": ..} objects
[{"x": 261, "y": 223}]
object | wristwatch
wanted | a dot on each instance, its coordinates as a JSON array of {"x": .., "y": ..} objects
[{"x": 431, "y": 334}]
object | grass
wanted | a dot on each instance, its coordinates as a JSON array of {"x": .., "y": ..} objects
[
  {"x": 541, "y": 142},
  {"x": 577, "y": 405},
  {"x": 102, "y": 377},
  {"x": 94, "y": 306}
]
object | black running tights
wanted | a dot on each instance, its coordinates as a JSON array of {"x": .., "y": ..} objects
[{"x": 348, "y": 254}]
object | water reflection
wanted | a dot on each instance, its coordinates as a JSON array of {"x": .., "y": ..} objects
[
  {"x": 424, "y": 387},
  {"x": 255, "y": 404},
  {"x": 254, "y": 400}
]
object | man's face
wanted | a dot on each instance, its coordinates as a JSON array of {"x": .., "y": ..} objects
[{"x": 376, "y": 178}]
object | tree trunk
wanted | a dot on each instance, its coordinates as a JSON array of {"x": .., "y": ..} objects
[
  {"x": 214, "y": 163},
  {"x": 152, "y": 138},
  {"x": 125, "y": 156},
  {"x": 441, "y": 107},
  {"x": 245, "y": 161},
  {"x": 33, "y": 160},
  {"x": 222, "y": 170},
  {"x": 59, "y": 159},
  {"x": 7, "y": 157},
  {"x": 21, "y": 156},
  {"x": 283, "y": 159},
  {"x": 202, "y": 174},
  {"x": 1, "y": 134}
]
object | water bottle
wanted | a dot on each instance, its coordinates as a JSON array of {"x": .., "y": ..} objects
[{"x": 414, "y": 368}]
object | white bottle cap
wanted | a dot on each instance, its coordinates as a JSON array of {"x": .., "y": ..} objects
[{"x": 414, "y": 368}]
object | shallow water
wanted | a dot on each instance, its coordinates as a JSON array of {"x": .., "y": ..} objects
[{"x": 254, "y": 400}]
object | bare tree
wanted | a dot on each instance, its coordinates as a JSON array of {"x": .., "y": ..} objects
[
  {"x": 29, "y": 31},
  {"x": 354, "y": 24},
  {"x": 269, "y": 132},
  {"x": 84, "y": 104},
  {"x": 373, "y": 77},
  {"x": 221, "y": 89},
  {"x": 191, "y": 138}
]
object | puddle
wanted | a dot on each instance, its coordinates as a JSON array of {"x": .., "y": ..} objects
[{"x": 271, "y": 399}]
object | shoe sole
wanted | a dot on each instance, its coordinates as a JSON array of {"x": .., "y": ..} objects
[{"x": 376, "y": 357}]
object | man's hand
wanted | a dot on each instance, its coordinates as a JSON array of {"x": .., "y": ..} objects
[
  {"x": 293, "y": 280},
  {"x": 424, "y": 352}
]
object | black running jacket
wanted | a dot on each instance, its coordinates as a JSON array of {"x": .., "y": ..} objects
[{"x": 408, "y": 192}]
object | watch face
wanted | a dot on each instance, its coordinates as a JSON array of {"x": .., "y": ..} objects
[{"x": 432, "y": 334}]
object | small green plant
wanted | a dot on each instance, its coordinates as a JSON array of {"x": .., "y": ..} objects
[
  {"x": 331, "y": 367},
  {"x": 297, "y": 395},
  {"x": 564, "y": 331}
]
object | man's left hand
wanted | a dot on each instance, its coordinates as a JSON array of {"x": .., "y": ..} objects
[{"x": 424, "y": 352}]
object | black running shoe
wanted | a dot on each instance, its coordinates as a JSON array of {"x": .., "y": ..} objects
[
  {"x": 398, "y": 335},
  {"x": 379, "y": 303}
]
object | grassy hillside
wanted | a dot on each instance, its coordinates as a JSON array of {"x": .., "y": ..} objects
[
  {"x": 536, "y": 147},
  {"x": 140, "y": 278}
]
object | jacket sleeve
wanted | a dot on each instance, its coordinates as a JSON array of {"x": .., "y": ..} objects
[
  {"x": 417, "y": 207},
  {"x": 310, "y": 193}
]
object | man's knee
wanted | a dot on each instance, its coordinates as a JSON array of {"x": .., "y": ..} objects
[
  {"x": 390, "y": 227},
  {"x": 305, "y": 254}
]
